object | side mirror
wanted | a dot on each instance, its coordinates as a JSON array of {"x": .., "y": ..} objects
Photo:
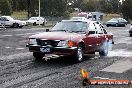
[
  {"x": 91, "y": 32},
  {"x": 47, "y": 30}
]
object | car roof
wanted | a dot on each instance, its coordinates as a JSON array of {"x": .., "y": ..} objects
[
  {"x": 78, "y": 17},
  {"x": 84, "y": 18},
  {"x": 36, "y": 17},
  {"x": 6, "y": 16},
  {"x": 88, "y": 21}
]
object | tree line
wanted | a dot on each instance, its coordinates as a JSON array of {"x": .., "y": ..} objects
[{"x": 63, "y": 8}]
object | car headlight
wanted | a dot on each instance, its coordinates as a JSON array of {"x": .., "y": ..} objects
[
  {"x": 32, "y": 41},
  {"x": 65, "y": 44}
]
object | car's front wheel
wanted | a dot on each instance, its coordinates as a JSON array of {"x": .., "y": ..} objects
[
  {"x": 107, "y": 25},
  {"x": 79, "y": 54},
  {"x": 38, "y": 56}
]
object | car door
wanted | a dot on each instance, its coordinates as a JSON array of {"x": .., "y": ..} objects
[
  {"x": 100, "y": 34},
  {"x": 90, "y": 40},
  {"x": 121, "y": 22},
  {"x": 39, "y": 20}
]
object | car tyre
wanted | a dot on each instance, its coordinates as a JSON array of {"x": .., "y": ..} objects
[
  {"x": 15, "y": 25},
  {"x": 103, "y": 51},
  {"x": 130, "y": 35},
  {"x": 43, "y": 24},
  {"x": 20, "y": 26},
  {"x": 124, "y": 25},
  {"x": 107, "y": 25},
  {"x": 38, "y": 56},
  {"x": 116, "y": 25},
  {"x": 34, "y": 24},
  {"x": 78, "y": 57}
]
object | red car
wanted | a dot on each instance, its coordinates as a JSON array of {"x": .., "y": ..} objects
[{"x": 71, "y": 37}]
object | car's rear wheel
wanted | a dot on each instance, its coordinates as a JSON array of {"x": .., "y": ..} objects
[
  {"x": 116, "y": 25},
  {"x": 130, "y": 35},
  {"x": 38, "y": 56},
  {"x": 15, "y": 25},
  {"x": 103, "y": 51},
  {"x": 78, "y": 57},
  {"x": 34, "y": 24},
  {"x": 20, "y": 26},
  {"x": 43, "y": 24},
  {"x": 124, "y": 25}
]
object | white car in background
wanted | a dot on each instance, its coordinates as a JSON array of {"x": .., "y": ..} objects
[
  {"x": 8, "y": 21},
  {"x": 36, "y": 21}
]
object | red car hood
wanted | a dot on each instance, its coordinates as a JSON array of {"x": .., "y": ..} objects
[{"x": 57, "y": 36}]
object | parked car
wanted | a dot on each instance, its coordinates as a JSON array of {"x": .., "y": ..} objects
[
  {"x": 130, "y": 31},
  {"x": 37, "y": 21},
  {"x": 71, "y": 37},
  {"x": 8, "y": 21},
  {"x": 79, "y": 18},
  {"x": 116, "y": 22}
]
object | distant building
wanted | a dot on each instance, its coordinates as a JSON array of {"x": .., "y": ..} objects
[{"x": 98, "y": 16}]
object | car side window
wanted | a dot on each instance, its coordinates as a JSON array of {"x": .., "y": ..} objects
[
  {"x": 99, "y": 28},
  {"x": 4, "y": 19},
  {"x": 120, "y": 20},
  {"x": 92, "y": 28}
]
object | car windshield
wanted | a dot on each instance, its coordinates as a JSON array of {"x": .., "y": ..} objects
[
  {"x": 70, "y": 26},
  {"x": 82, "y": 15},
  {"x": 33, "y": 18},
  {"x": 113, "y": 19}
]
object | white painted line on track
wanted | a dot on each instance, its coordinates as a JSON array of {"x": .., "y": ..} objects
[
  {"x": 119, "y": 66},
  {"x": 103, "y": 78},
  {"x": 27, "y": 34},
  {"x": 8, "y": 47},
  {"x": 120, "y": 52},
  {"x": 20, "y": 48},
  {"x": 24, "y": 34},
  {"x": 6, "y": 35}
]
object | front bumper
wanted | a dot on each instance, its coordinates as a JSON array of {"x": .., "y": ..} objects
[{"x": 53, "y": 50}]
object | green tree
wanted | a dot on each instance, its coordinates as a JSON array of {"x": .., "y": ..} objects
[
  {"x": 127, "y": 9},
  {"x": 5, "y": 7},
  {"x": 88, "y": 5},
  {"x": 54, "y": 7},
  {"x": 115, "y": 5}
]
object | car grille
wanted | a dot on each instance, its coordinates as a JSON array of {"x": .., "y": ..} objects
[{"x": 47, "y": 42}]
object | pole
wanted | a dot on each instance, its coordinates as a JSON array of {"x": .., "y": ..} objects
[
  {"x": 39, "y": 12},
  {"x": 28, "y": 8}
]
